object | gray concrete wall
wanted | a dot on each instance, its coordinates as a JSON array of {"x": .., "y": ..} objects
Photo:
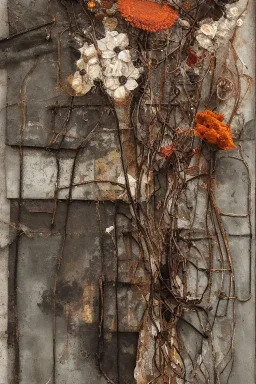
[{"x": 89, "y": 250}]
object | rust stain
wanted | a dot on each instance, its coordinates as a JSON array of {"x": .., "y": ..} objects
[
  {"x": 105, "y": 165},
  {"x": 89, "y": 295},
  {"x": 83, "y": 310}
]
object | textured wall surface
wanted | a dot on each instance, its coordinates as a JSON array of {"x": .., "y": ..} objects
[
  {"x": 5, "y": 210},
  {"x": 55, "y": 221}
]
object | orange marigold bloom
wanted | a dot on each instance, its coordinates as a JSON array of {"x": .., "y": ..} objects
[
  {"x": 211, "y": 128},
  {"x": 148, "y": 15}
]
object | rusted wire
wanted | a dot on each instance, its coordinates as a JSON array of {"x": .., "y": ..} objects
[{"x": 167, "y": 253}]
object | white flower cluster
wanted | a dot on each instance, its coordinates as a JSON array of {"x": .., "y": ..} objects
[
  {"x": 212, "y": 34},
  {"x": 111, "y": 62}
]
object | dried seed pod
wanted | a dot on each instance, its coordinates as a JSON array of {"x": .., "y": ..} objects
[
  {"x": 110, "y": 23},
  {"x": 99, "y": 16},
  {"x": 107, "y": 4},
  {"x": 184, "y": 23}
]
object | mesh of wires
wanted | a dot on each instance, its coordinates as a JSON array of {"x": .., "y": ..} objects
[{"x": 165, "y": 223}]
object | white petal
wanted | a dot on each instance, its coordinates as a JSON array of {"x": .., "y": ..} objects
[
  {"x": 112, "y": 34},
  {"x": 127, "y": 69},
  {"x": 131, "y": 84},
  {"x": 83, "y": 48},
  {"x": 118, "y": 68},
  {"x": 77, "y": 84},
  {"x": 111, "y": 83},
  {"x": 90, "y": 50},
  {"x": 106, "y": 62},
  {"x": 94, "y": 72},
  {"x": 135, "y": 73},
  {"x": 93, "y": 60},
  {"x": 109, "y": 92},
  {"x": 85, "y": 88},
  {"x": 122, "y": 40},
  {"x": 106, "y": 66},
  {"x": 132, "y": 71},
  {"x": 111, "y": 45},
  {"x": 77, "y": 79},
  {"x": 81, "y": 64},
  {"x": 110, "y": 40},
  {"x": 108, "y": 71},
  {"x": 76, "y": 75},
  {"x": 124, "y": 56},
  {"x": 81, "y": 84},
  {"x": 102, "y": 44},
  {"x": 120, "y": 93},
  {"x": 108, "y": 54}
]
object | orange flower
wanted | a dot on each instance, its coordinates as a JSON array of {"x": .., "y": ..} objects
[
  {"x": 148, "y": 15},
  {"x": 210, "y": 127},
  {"x": 167, "y": 151},
  {"x": 91, "y": 4}
]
